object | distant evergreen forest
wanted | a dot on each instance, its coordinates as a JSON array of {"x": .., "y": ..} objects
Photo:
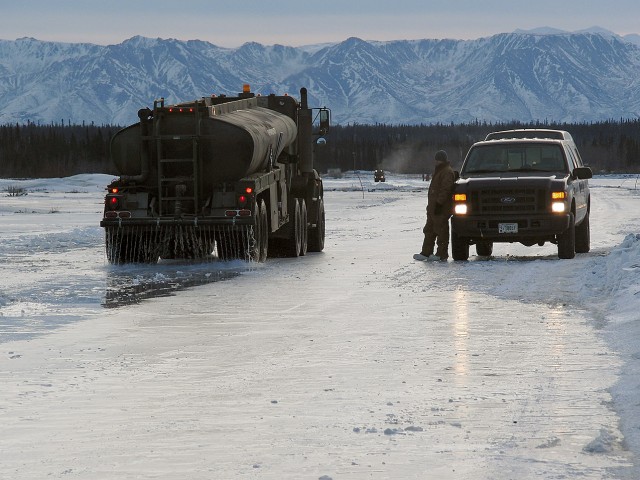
[
  {"x": 56, "y": 150},
  {"x": 61, "y": 150},
  {"x": 610, "y": 146}
]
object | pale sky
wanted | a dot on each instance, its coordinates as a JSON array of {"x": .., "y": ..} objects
[{"x": 300, "y": 22}]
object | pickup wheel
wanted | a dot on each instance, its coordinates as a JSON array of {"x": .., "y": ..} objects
[
  {"x": 459, "y": 247},
  {"x": 567, "y": 240},
  {"x": 583, "y": 236},
  {"x": 316, "y": 234},
  {"x": 484, "y": 248}
]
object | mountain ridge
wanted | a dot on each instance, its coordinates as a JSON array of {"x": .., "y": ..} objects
[{"x": 538, "y": 75}]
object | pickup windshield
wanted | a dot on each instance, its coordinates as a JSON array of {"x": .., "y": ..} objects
[{"x": 515, "y": 157}]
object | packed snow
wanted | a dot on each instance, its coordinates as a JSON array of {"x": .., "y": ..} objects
[{"x": 356, "y": 362}]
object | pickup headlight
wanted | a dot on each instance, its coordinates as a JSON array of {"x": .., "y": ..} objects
[
  {"x": 558, "y": 204},
  {"x": 460, "y": 209},
  {"x": 460, "y": 206}
]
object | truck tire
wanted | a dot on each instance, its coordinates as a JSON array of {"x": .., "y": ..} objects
[
  {"x": 258, "y": 244},
  {"x": 567, "y": 240},
  {"x": 304, "y": 227},
  {"x": 583, "y": 236},
  {"x": 459, "y": 247},
  {"x": 316, "y": 234},
  {"x": 484, "y": 248},
  {"x": 264, "y": 240},
  {"x": 294, "y": 242}
]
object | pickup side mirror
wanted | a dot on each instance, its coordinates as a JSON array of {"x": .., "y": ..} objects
[{"x": 583, "y": 173}]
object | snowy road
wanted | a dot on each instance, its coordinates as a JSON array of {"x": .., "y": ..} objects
[{"x": 354, "y": 363}]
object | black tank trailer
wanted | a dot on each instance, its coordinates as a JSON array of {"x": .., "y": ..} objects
[{"x": 220, "y": 177}]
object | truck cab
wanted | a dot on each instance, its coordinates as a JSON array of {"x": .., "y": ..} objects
[{"x": 528, "y": 186}]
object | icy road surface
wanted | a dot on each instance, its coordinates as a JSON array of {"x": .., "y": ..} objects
[{"x": 355, "y": 363}]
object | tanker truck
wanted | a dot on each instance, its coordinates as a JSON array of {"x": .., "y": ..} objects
[{"x": 220, "y": 177}]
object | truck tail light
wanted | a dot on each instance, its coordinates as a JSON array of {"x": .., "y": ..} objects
[
  {"x": 113, "y": 202},
  {"x": 244, "y": 195}
]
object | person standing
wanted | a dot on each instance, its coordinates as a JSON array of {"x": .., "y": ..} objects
[{"x": 440, "y": 203}]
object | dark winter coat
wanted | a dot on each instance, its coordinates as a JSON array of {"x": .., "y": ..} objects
[{"x": 440, "y": 201}]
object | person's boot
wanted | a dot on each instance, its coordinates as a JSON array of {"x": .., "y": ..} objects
[{"x": 442, "y": 253}]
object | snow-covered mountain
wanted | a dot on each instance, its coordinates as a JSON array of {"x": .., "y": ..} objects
[
  {"x": 535, "y": 75},
  {"x": 633, "y": 38}
]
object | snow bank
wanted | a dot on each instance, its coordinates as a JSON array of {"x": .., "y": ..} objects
[{"x": 617, "y": 281}]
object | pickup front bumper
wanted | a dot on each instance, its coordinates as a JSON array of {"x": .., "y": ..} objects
[{"x": 534, "y": 228}]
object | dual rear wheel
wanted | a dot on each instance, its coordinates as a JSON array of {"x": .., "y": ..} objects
[
  {"x": 296, "y": 243},
  {"x": 302, "y": 236},
  {"x": 298, "y": 236}
]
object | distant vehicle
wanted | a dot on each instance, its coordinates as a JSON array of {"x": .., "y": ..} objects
[
  {"x": 334, "y": 172},
  {"x": 378, "y": 176},
  {"x": 528, "y": 186}
]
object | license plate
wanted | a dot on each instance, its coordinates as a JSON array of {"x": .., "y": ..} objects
[{"x": 507, "y": 228}]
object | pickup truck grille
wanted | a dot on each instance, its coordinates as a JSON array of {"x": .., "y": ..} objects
[{"x": 496, "y": 201}]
